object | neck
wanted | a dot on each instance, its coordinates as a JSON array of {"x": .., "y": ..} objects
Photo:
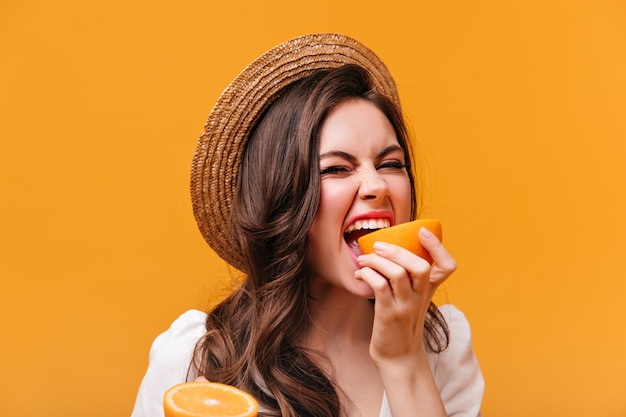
[{"x": 338, "y": 318}]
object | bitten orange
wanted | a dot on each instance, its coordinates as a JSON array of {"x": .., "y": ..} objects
[
  {"x": 404, "y": 235},
  {"x": 208, "y": 399}
]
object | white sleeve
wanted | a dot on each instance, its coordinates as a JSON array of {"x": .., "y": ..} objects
[
  {"x": 456, "y": 370},
  {"x": 170, "y": 357}
]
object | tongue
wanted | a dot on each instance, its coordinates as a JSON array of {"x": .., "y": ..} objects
[{"x": 351, "y": 239}]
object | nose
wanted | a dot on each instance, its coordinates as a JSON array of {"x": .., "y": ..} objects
[{"x": 373, "y": 186}]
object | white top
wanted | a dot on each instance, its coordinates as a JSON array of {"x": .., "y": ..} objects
[{"x": 456, "y": 370}]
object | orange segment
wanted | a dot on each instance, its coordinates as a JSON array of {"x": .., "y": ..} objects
[
  {"x": 208, "y": 399},
  {"x": 404, "y": 235}
]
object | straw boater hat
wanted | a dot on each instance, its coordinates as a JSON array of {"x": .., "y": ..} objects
[{"x": 215, "y": 166}]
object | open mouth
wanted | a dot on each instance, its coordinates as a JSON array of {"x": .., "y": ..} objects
[{"x": 360, "y": 228}]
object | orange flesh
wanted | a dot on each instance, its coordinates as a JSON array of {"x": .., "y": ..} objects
[{"x": 208, "y": 399}]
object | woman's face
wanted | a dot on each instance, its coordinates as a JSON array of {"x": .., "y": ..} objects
[{"x": 364, "y": 185}]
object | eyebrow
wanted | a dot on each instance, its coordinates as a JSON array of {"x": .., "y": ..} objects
[{"x": 351, "y": 158}]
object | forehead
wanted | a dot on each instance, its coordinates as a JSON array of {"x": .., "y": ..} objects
[{"x": 356, "y": 125}]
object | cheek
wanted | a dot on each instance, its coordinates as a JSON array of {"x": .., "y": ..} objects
[
  {"x": 335, "y": 198},
  {"x": 400, "y": 191},
  {"x": 335, "y": 201},
  {"x": 328, "y": 207}
]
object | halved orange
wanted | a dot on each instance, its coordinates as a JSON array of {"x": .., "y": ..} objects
[
  {"x": 404, "y": 235},
  {"x": 208, "y": 399}
]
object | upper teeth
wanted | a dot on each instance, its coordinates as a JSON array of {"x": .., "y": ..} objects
[{"x": 368, "y": 224}]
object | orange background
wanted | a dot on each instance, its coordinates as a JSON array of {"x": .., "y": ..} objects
[{"x": 520, "y": 112}]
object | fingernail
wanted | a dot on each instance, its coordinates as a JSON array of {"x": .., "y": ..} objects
[
  {"x": 426, "y": 233},
  {"x": 380, "y": 246}
]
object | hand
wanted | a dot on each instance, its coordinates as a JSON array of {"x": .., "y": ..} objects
[{"x": 404, "y": 285}]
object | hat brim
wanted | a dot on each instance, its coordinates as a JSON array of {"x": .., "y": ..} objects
[{"x": 219, "y": 151}]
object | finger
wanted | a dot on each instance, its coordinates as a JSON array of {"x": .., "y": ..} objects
[
  {"x": 444, "y": 263},
  {"x": 396, "y": 274},
  {"x": 379, "y": 284},
  {"x": 412, "y": 266}
]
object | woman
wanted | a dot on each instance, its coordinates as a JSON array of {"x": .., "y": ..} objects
[{"x": 303, "y": 153}]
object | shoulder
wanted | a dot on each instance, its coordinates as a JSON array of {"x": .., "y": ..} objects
[
  {"x": 456, "y": 369},
  {"x": 182, "y": 333},
  {"x": 460, "y": 331},
  {"x": 169, "y": 360}
]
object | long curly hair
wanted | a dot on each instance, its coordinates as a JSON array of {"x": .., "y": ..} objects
[{"x": 251, "y": 338}]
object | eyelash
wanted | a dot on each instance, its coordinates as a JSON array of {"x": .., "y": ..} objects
[
  {"x": 393, "y": 165},
  {"x": 339, "y": 169},
  {"x": 333, "y": 170}
]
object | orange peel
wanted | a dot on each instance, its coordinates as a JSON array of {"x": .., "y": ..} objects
[{"x": 404, "y": 235}]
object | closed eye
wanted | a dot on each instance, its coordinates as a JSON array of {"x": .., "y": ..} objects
[
  {"x": 392, "y": 166},
  {"x": 334, "y": 170}
]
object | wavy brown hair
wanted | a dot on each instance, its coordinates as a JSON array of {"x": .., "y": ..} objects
[{"x": 252, "y": 336}]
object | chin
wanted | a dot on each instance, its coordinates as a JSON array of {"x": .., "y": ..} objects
[{"x": 363, "y": 290}]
